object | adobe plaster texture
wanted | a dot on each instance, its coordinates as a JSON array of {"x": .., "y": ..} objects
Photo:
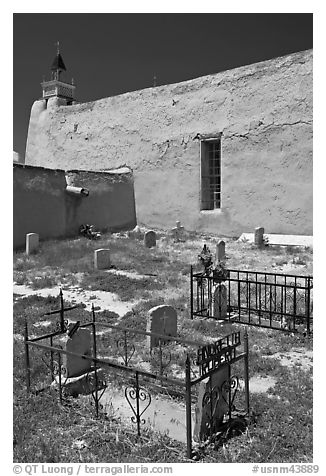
[
  {"x": 264, "y": 112},
  {"x": 42, "y": 204}
]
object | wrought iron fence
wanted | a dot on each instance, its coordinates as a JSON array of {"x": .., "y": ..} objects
[
  {"x": 201, "y": 361},
  {"x": 271, "y": 300}
]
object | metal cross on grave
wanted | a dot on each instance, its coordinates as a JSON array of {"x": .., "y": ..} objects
[{"x": 61, "y": 311}]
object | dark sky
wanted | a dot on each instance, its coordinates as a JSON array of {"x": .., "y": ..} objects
[{"x": 108, "y": 54}]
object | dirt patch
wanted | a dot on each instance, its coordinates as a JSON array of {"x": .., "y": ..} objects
[
  {"x": 128, "y": 274},
  {"x": 258, "y": 384},
  {"x": 101, "y": 299}
]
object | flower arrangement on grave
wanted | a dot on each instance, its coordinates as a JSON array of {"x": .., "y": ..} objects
[
  {"x": 220, "y": 273},
  {"x": 206, "y": 259}
]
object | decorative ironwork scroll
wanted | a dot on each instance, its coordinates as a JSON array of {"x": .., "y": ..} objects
[
  {"x": 230, "y": 387},
  {"x": 161, "y": 356},
  {"x": 97, "y": 386},
  {"x": 134, "y": 396},
  {"x": 219, "y": 401},
  {"x": 125, "y": 349}
]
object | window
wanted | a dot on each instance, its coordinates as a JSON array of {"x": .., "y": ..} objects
[{"x": 210, "y": 174}]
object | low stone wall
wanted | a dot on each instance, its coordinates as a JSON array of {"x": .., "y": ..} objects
[
  {"x": 110, "y": 204},
  {"x": 38, "y": 203},
  {"x": 43, "y": 205}
]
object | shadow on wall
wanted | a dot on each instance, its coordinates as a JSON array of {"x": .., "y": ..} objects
[{"x": 52, "y": 203}]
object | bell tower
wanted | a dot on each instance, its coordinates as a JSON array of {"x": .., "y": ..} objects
[{"x": 56, "y": 87}]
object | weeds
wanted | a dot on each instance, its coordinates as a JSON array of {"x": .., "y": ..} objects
[{"x": 281, "y": 428}]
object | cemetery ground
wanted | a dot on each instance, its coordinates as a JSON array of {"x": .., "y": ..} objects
[{"x": 280, "y": 363}]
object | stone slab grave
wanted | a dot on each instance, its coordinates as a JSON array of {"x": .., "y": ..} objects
[
  {"x": 163, "y": 415},
  {"x": 211, "y": 404},
  {"x": 32, "y": 243},
  {"x": 220, "y": 250},
  {"x": 161, "y": 320},
  {"x": 177, "y": 232},
  {"x": 281, "y": 240},
  {"x": 102, "y": 258},
  {"x": 150, "y": 239}
]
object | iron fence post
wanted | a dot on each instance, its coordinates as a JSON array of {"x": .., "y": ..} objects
[
  {"x": 125, "y": 348},
  {"x": 229, "y": 389},
  {"x": 62, "y": 323},
  {"x": 137, "y": 404},
  {"x": 188, "y": 407},
  {"x": 94, "y": 356},
  {"x": 239, "y": 297},
  {"x": 160, "y": 356},
  {"x": 27, "y": 361},
  {"x": 51, "y": 360},
  {"x": 308, "y": 308},
  {"x": 59, "y": 377},
  {"x": 246, "y": 370},
  {"x": 191, "y": 293}
]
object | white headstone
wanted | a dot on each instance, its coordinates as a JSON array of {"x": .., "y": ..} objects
[
  {"x": 32, "y": 243},
  {"x": 161, "y": 320},
  {"x": 102, "y": 258},
  {"x": 220, "y": 250}
]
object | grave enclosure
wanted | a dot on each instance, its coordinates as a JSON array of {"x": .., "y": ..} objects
[
  {"x": 205, "y": 380},
  {"x": 271, "y": 300}
]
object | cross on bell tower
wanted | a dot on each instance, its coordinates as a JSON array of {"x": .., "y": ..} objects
[{"x": 56, "y": 87}]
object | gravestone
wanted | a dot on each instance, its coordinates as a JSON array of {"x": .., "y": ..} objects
[
  {"x": 220, "y": 250},
  {"x": 259, "y": 236},
  {"x": 102, "y": 258},
  {"x": 178, "y": 232},
  {"x": 161, "y": 320},
  {"x": 150, "y": 239},
  {"x": 32, "y": 243},
  {"x": 219, "y": 303},
  {"x": 211, "y": 404},
  {"x": 79, "y": 343}
]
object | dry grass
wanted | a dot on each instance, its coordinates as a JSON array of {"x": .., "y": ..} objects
[{"x": 282, "y": 427}]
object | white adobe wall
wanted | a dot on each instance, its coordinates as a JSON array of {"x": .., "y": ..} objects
[{"x": 264, "y": 112}]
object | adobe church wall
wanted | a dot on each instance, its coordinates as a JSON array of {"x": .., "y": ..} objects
[{"x": 264, "y": 112}]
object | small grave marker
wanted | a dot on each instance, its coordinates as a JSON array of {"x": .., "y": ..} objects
[
  {"x": 102, "y": 258},
  {"x": 219, "y": 301},
  {"x": 78, "y": 343},
  {"x": 150, "y": 239},
  {"x": 32, "y": 243},
  {"x": 220, "y": 250},
  {"x": 161, "y": 320},
  {"x": 259, "y": 236}
]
